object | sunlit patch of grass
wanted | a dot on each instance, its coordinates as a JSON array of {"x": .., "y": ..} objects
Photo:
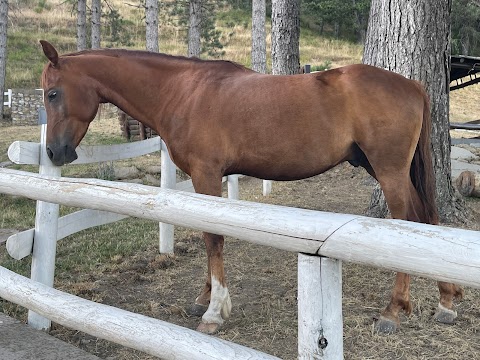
[{"x": 464, "y": 104}]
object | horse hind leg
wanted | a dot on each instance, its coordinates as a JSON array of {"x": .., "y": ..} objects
[
  {"x": 404, "y": 203},
  {"x": 445, "y": 311},
  {"x": 397, "y": 189}
]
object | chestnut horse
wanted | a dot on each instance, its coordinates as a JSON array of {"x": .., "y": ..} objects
[{"x": 219, "y": 118}]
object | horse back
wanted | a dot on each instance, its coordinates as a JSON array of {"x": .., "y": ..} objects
[{"x": 292, "y": 127}]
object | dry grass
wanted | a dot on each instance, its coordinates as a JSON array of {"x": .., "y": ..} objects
[{"x": 465, "y": 104}]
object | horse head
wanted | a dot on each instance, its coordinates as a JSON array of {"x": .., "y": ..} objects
[{"x": 71, "y": 103}]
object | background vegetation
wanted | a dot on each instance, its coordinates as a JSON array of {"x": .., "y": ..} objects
[{"x": 332, "y": 31}]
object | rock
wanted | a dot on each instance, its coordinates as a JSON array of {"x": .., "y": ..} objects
[
  {"x": 459, "y": 153},
  {"x": 460, "y": 166},
  {"x": 152, "y": 180},
  {"x": 130, "y": 172},
  {"x": 153, "y": 169}
]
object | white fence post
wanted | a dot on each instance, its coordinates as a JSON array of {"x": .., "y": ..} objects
[
  {"x": 45, "y": 238},
  {"x": 267, "y": 187},
  {"x": 320, "y": 323},
  {"x": 8, "y": 94},
  {"x": 168, "y": 179},
  {"x": 232, "y": 187}
]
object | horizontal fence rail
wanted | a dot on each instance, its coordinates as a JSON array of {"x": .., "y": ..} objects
[
  {"x": 442, "y": 253},
  {"x": 152, "y": 336},
  {"x": 28, "y": 153}
]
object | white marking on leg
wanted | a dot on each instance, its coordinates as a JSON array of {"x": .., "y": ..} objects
[
  {"x": 449, "y": 311},
  {"x": 220, "y": 304}
]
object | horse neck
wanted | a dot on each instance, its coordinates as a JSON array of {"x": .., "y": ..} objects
[{"x": 141, "y": 87}]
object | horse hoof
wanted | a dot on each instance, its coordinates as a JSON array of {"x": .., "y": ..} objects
[
  {"x": 385, "y": 326},
  {"x": 444, "y": 315},
  {"x": 208, "y": 328},
  {"x": 197, "y": 310}
]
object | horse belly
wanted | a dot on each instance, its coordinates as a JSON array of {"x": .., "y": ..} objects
[{"x": 291, "y": 165}]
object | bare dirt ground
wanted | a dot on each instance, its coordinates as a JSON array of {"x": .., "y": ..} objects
[{"x": 262, "y": 283}]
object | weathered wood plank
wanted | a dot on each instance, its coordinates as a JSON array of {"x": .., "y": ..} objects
[
  {"x": 267, "y": 187},
  {"x": 154, "y": 337},
  {"x": 28, "y": 153},
  {"x": 241, "y": 219},
  {"x": 442, "y": 253},
  {"x": 20, "y": 245},
  {"x": 320, "y": 323},
  {"x": 45, "y": 245},
  {"x": 168, "y": 180},
  {"x": 24, "y": 152},
  {"x": 232, "y": 187}
]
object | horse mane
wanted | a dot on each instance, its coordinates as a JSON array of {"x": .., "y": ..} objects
[{"x": 152, "y": 55}]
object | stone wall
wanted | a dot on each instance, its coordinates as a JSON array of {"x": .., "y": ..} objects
[
  {"x": 26, "y": 102},
  {"x": 25, "y": 105}
]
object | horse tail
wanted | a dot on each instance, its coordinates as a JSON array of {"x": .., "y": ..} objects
[{"x": 422, "y": 171}]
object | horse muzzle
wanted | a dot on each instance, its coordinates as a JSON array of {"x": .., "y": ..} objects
[{"x": 61, "y": 154}]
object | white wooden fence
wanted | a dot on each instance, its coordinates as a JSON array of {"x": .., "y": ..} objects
[
  {"x": 49, "y": 228},
  {"x": 8, "y": 94},
  {"x": 441, "y": 253}
]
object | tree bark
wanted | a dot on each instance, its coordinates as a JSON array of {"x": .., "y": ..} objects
[
  {"x": 3, "y": 48},
  {"x": 81, "y": 25},
  {"x": 151, "y": 25},
  {"x": 413, "y": 39},
  {"x": 259, "y": 42},
  {"x": 285, "y": 37},
  {"x": 96, "y": 23},
  {"x": 194, "y": 28}
]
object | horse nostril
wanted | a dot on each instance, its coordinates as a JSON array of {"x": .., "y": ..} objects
[{"x": 49, "y": 152}]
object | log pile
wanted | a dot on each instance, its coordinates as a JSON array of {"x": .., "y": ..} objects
[
  {"x": 468, "y": 184},
  {"x": 134, "y": 130}
]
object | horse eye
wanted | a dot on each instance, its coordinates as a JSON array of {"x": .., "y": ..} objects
[{"x": 52, "y": 95}]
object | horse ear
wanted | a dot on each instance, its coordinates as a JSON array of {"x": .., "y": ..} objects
[{"x": 50, "y": 52}]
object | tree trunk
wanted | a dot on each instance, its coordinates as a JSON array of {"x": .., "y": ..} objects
[
  {"x": 96, "y": 23},
  {"x": 285, "y": 37},
  {"x": 3, "y": 48},
  {"x": 413, "y": 39},
  {"x": 465, "y": 43},
  {"x": 259, "y": 43},
  {"x": 151, "y": 25},
  {"x": 81, "y": 25},
  {"x": 194, "y": 28},
  {"x": 336, "y": 29}
]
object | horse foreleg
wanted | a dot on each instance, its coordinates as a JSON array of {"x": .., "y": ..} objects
[
  {"x": 220, "y": 304},
  {"x": 203, "y": 300},
  {"x": 215, "y": 292}
]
